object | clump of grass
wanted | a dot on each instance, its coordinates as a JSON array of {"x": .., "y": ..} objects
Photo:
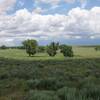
[{"x": 41, "y": 95}]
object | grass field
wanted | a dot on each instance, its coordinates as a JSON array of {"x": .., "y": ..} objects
[
  {"x": 79, "y": 52},
  {"x": 50, "y": 78}
]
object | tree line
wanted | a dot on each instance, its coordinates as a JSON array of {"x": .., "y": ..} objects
[
  {"x": 31, "y": 46},
  {"x": 52, "y": 49}
]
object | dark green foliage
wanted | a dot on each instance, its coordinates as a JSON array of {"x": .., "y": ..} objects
[
  {"x": 70, "y": 79},
  {"x": 3, "y": 47},
  {"x": 42, "y": 95},
  {"x": 97, "y": 48},
  {"x": 33, "y": 84},
  {"x": 52, "y": 49},
  {"x": 30, "y": 46},
  {"x": 16, "y": 47},
  {"x": 66, "y": 50},
  {"x": 41, "y": 49},
  {"x": 66, "y": 93},
  {"x": 47, "y": 84},
  {"x": 90, "y": 90}
]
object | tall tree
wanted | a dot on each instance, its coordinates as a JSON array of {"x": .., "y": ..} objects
[
  {"x": 30, "y": 46},
  {"x": 3, "y": 47},
  {"x": 52, "y": 49}
]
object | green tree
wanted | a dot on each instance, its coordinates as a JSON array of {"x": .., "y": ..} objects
[
  {"x": 97, "y": 48},
  {"x": 66, "y": 50},
  {"x": 30, "y": 46},
  {"x": 3, "y": 47},
  {"x": 52, "y": 49}
]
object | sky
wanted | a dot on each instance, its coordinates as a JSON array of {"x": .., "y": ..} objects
[{"x": 74, "y": 22}]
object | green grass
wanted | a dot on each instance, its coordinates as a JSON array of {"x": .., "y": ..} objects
[
  {"x": 79, "y": 52},
  {"x": 21, "y": 54},
  {"x": 86, "y": 52}
]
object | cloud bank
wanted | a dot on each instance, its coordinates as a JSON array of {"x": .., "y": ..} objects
[{"x": 79, "y": 23}]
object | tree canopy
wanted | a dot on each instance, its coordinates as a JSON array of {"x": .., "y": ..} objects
[{"x": 30, "y": 46}]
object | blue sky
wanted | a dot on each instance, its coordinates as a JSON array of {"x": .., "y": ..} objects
[
  {"x": 62, "y": 7},
  {"x": 73, "y": 22}
]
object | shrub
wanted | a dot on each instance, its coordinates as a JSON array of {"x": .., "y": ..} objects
[
  {"x": 3, "y": 47},
  {"x": 47, "y": 84},
  {"x": 66, "y": 50},
  {"x": 52, "y": 49},
  {"x": 97, "y": 48},
  {"x": 66, "y": 93},
  {"x": 42, "y": 95},
  {"x": 30, "y": 46},
  {"x": 90, "y": 90},
  {"x": 32, "y": 84}
]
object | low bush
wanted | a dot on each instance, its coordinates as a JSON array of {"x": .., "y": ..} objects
[
  {"x": 47, "y": 84},
  {"x": 41, "y": 95},
  {"x": 66, "y": 50},
  {"x": 66, "y": 93}
]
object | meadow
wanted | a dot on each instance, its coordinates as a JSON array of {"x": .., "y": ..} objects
[
  {"x": 79, "y": 52},
  {"x": 50, "y": 78}
]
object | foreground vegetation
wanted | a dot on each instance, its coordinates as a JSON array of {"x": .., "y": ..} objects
[
  {"x": 41, "y": 77},
  {"x": 70, "y": 79}
]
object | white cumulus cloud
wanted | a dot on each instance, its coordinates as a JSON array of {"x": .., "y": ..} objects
[{"x": 79, "y": 23}]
